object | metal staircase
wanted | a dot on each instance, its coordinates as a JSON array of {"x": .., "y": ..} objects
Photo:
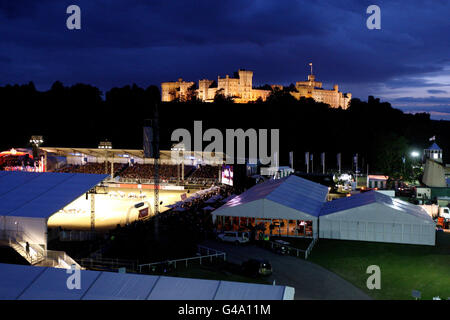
[{"x": 36, "y": 255}]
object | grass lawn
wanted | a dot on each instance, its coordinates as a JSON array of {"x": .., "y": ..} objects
[{"x": 403, "y": 267}]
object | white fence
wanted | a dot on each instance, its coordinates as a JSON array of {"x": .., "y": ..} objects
[
  {"x": 109, "y": 264},
  {"x": 205, "y": 254},
  {"x": 292, "y": 250}
]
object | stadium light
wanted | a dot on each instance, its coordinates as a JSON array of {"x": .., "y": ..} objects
[
  {"x": 105, "y": 145},
  {"x": 178, "y": 147},
  {"x": 36, "y": 140}
]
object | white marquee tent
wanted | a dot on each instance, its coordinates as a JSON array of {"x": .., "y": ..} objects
[
  {"x": 18, "y": 282},
  {"x": 290, "y": 198},
  {"x": 373, "y": 216},
  {"x": 28, "y": 199}
]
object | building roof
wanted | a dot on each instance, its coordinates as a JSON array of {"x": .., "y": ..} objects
[
  {"x": 116, "y": 153},
  {"x": 367, "y": 198},
  {"x": 293, "y": 192},
  {"x": 434, "y": 146},
  {"x": 39, "y": 195},
  {"x": 18, "y": 282}
]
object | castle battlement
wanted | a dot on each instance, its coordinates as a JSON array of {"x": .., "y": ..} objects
[{"x": 240, "y": 89}]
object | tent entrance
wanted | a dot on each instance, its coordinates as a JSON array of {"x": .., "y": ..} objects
[{"x": 263, "y": 227}]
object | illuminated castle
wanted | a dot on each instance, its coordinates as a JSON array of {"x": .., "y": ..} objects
[
  {"x": 313, "y": 89},
  {"x": 240, "y": 89}
]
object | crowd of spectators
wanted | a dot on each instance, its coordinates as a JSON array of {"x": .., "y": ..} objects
[
  {"x": 167, "y": 172},
  {"x": 179, "y": 231},
  {"x": 147, "y": 171},
  {"x": 92, "y": 167},
  {"x": 11, "y": 162},
  {"x": 204, "y": 172}
]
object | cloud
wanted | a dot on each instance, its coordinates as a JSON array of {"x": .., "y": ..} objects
[
  {"x": 434, "y": 91},
  {"x": 431, "y": 100},
  {"x": 148, "y": 42}
]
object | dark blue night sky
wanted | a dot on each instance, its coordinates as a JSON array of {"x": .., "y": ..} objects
[{"x": 407, "y": 62}]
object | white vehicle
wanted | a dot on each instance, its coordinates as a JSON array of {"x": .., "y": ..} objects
[
  {"x": 236, "y": 237},
  {"x": 444, "y": 212}
]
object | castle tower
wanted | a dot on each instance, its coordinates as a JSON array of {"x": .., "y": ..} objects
[
  {"x": 203, "y": 88},
  {"x": 245, "y": 84}
]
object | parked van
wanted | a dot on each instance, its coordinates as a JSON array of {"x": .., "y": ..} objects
[{"x": 236, "y": 237}]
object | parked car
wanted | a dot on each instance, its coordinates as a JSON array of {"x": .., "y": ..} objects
[
  {"x": 281, "y": 248},
  {"x": 257, "y": 267},
  {"x": 236, "y": 237}
]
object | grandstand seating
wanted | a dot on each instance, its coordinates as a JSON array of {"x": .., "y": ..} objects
[
  {"x": 167, "y": 172},
  {"x": 91, "y": 167},
  {"x": 205, "y": 172}
]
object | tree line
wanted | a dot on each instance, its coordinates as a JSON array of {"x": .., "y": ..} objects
[{"x": 81, "y": 115}]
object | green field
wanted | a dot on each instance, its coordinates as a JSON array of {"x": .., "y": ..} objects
[{"x": 403, "y": 267}]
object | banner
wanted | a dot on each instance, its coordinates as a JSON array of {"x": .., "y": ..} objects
[
  {"x": 143, "y": 213},
  {"x": 148, "y": 140}
]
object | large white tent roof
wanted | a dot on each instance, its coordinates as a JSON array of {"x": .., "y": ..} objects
[
  {"x": 19, "y": 282},
  {"x": 362, "y": 199},
  {"x": 292, "y": 192},
  {"x": 39, "y": 195}
]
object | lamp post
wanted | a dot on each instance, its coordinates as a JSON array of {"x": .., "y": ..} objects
[
  {"x": 106, "y": 145},
  {"x": 35, "y": 142}
]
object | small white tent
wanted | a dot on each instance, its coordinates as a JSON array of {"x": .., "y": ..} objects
[
  {"x": 373, "y": 216},
  {"x": 288, "y": 199}
]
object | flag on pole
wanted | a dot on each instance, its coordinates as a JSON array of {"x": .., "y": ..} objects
[
  {"x": 433, "y": 138},
  {"x": 291, "y": 159},
  {"x": 307, "y": 161},
  {"x": 322, "y": 158},
  {"x": 339, "y": 161}
]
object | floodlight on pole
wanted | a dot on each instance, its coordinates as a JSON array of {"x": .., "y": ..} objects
[
  {"x": 105, "y": 145},
  {"x": 36, "y": 140},
  {"x": 415, "y": 154}
]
